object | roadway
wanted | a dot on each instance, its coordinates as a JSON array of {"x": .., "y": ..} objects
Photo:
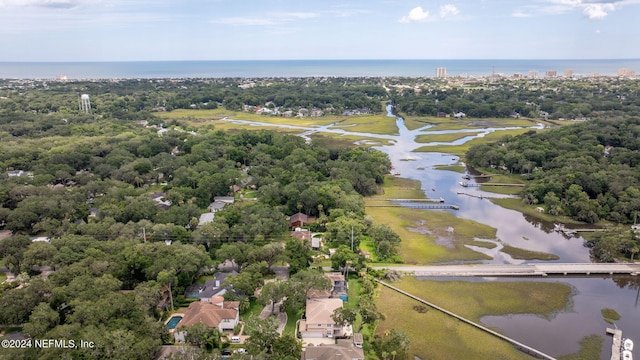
[{"x": 533, "y": 269}]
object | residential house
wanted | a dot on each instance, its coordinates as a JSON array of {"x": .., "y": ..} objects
[
  {"x": 219, "y": 202},
  {"x": 13, "y": 173},
  {"x": 306, "y": 235},
  {"x": 339, "y": 288},
  {"x": 219, "y": 314},
  {"x": 344, "y": 350},
  {"x": 224, "y": 199},
  {"x": 300, "y": 220},
  {"x": 206, "y": 218},
  {"x": 210, "y": 289},
  {"x": 318, "y": 322}
]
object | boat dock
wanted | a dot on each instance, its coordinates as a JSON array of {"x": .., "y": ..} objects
[
  {"x": 466, "y": 184},
  {"x": 420, "y": 206},
  {"x": 472, "y": 195},
  {"x": 617, "y": 343}
]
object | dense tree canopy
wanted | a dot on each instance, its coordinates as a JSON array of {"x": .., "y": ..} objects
[{"x": 588, "y": 171}]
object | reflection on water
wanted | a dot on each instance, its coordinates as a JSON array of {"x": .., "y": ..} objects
[{"x": 558, "y": 335}]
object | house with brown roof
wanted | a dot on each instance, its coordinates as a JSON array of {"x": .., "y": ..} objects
[
  {"x": 300, "y": 220},
  {"x": 343, "y": 350},
  {"x": 318, "y": 322},
  {"x": 218, "y": 314}
]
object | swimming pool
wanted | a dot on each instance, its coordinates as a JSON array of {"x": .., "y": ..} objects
[{"x": 173, "y": 322}]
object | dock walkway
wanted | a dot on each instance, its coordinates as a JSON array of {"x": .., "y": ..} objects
[{"x": 617, "y": 343}]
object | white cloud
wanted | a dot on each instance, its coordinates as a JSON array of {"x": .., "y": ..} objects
[
  {"x": 591, "y": 9},
  {"x": 416, "y": 14},
  {"x": 597, "y": 11},
  {"x": 448, "y": 10}
]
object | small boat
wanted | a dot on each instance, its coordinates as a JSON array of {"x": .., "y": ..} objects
[
  {"x": 396, "y": 173},
  {"x": 558, "y": 227},
  {"x": 467, "y": 177},
  {"x": 627, "y": 344},
  {"x": 627, "y": 355}
]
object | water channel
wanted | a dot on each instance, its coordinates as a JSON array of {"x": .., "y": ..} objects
[{"x": 559, "y": 335}]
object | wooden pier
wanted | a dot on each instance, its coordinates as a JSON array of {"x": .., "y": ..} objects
[
  {"x": 466, "y": 184},
  {"x": 617, "y": 343},
  {"x": 420, "y": 206},
  {"x": 472, "y": 195}
]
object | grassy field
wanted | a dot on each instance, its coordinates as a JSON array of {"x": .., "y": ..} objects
[
  {"x": 427, "y": 138},
  {"x": 435, "y": 335},
  {"x": 460, "y": 150}
]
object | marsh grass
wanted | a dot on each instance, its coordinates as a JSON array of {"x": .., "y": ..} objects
[
  {"x": 435, "y": 335},
  {"x": 610, "y": 315},
  {"x": 457, "y": 168},
  {"x": 460, "y": 150},
  {"x": 415, "y": 122},
  {"x": 590, "y": 349},
  {"x": 425, "y": 238},
  {"x": 523, "y": 254},
  {"x": 427, "y": 138}
]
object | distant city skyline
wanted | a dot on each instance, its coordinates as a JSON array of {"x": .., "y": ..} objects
[{"x": 145, "y": 30}]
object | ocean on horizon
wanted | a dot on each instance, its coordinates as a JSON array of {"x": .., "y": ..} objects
[{"x": 307, "y": 68}]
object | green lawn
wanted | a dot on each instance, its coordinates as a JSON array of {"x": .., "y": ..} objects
[{"x": 435, "y": 335}]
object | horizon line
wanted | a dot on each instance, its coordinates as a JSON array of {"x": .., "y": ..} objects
[{"x": 296, "y": 60}]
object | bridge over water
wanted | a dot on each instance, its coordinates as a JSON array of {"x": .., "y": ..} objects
[{"x": 535, "y": 269}]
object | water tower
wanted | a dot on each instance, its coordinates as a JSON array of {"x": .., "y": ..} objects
[{"x": 84, "y": 104}]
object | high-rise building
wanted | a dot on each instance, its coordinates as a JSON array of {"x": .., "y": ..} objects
[
  {"x": 441, "y": 72},
  {"x": 626, "y": 73},
  {"x": 550, "y": 74},
  {"x": 84, "y": 104},
  {"x": 568, "y": 73},
  {"x": 533, "y": 74}
]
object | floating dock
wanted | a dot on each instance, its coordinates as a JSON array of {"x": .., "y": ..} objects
[{"x": 617, "y": 343}]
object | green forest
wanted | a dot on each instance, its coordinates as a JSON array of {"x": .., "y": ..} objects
[
  {"x": 554, "y": 99},
  {"x": 119, "y": 204},
  {"x": 588, "y": 171}
]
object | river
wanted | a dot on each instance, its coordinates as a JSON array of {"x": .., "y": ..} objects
[{"x": 559, "y": 335}]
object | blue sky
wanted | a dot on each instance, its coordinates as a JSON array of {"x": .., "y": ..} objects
[{"x": 123, "y": 30}]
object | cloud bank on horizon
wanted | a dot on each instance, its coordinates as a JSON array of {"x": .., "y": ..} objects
[{"x": 120, "y": 30}]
